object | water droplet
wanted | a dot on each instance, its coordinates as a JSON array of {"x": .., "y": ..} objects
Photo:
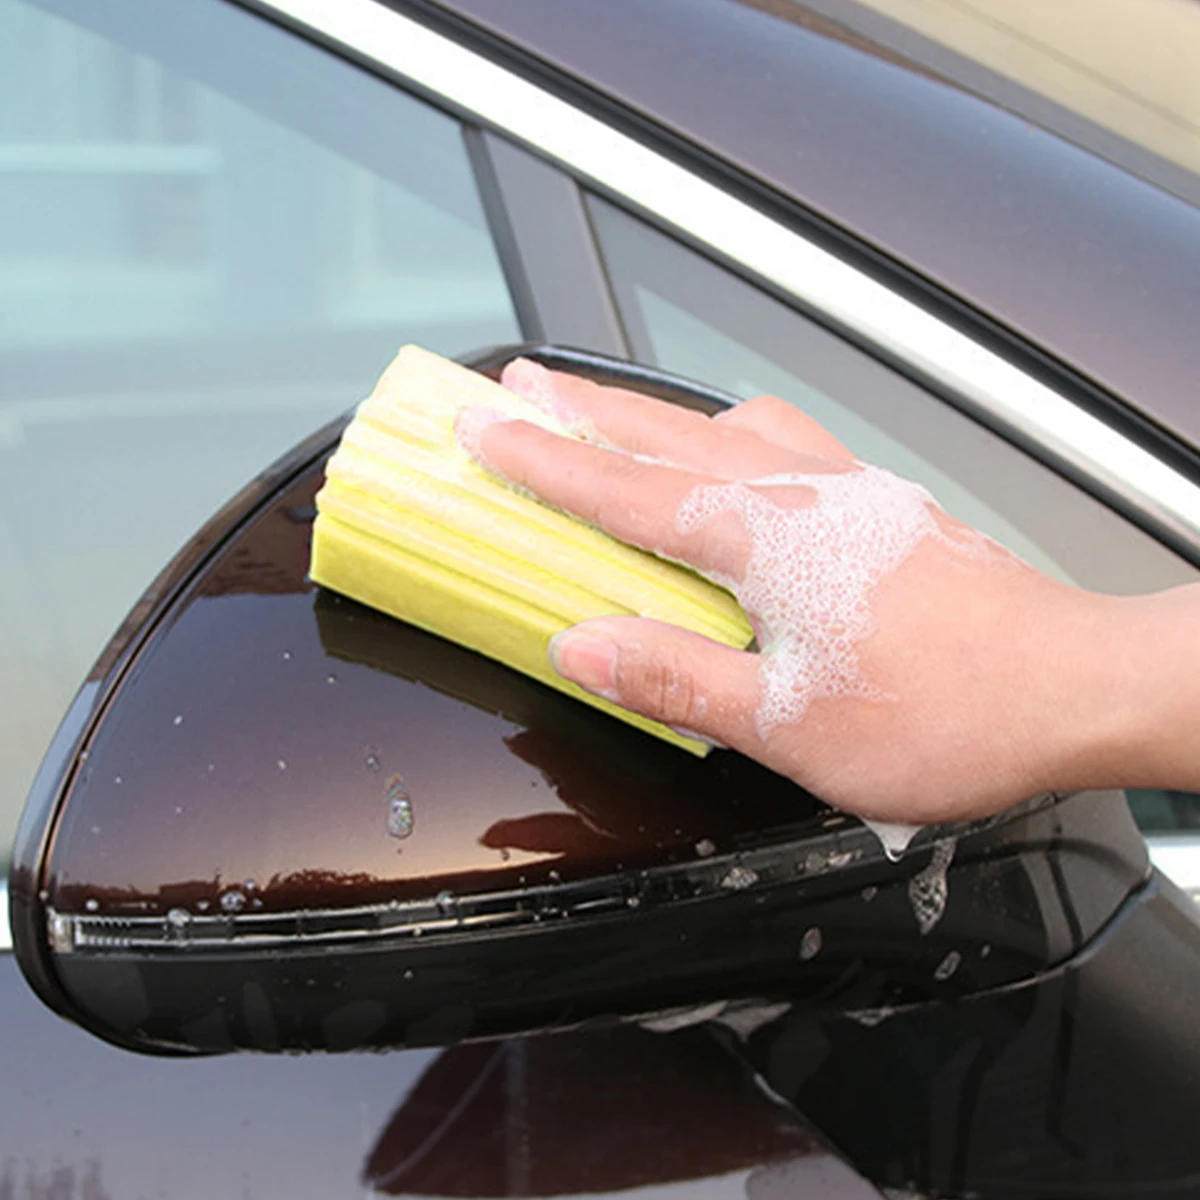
[
  {"x": 399, "y": 812},
  {"x": 408, "y": 974},
  {"x": 178, "y": 918},
  {"x": 870, "y": 1016},
  {"x": 256, "y": 903},
  {"x": 331, "y": 678},
  {"x": 810, "y": 943},
  {"x": 84, "y": 755},
  {"x": 554, "y": 877},
  {"x": 706, "y": 848},
  {"x": 893, "y": 837},
  {"x": 417, "y": 931},
  {"x": 372, "y": 759},
  {"x": 179, "y": 810},
  {"x": 287, "y": 655},
  {"x": 739, "y": 878},
  {"x": 250, "y": 884},
  {"x": 869, "y": 893},
  {"x": 118, "y": 779},
  {"x": 948, "y": 965},
  {"x": 212, "y": 767},
  {"x": 984, "y": 951},
  {"x": 92, "y": 905},
  {"x": 44, "y": 895},
  {"x": 95, "y": 830},
  {"x": 633, "y": 901},
  {"x": 202, "y": 905},
  {"x": 233, "y": 901},
  {"x": 178, "y": 719},
  {"x": 281, "y": 764},
  {"x": 446, "y": 904}
]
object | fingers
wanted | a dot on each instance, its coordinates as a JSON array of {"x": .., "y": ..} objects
[
  {"x": 784, "y": 425},
  {"x": 666, "y": 673},
  {"x": 642, "y": 425},
  {"x": 633, "y": 500}
]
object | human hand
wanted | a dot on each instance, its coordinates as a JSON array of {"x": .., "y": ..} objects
[{"x": 909, "y": 669}]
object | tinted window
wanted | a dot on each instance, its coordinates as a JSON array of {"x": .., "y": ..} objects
[
  {"x": 686, "y": 314},
  {"x": 213, "y": 236}
]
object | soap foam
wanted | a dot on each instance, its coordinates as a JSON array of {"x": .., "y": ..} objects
[
  {"x": 810, "y": 573},
  {"x": 929, "y": 889}
]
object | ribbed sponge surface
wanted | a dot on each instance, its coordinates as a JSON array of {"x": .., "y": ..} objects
[{"x": 408, "y": 524}]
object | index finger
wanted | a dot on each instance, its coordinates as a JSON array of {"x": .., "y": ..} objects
[
  {"x": 761, "y": 436},
  {"x": 634, "y": 499}
]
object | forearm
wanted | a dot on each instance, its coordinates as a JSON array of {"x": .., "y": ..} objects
[{"x": 1135, "y": 694}]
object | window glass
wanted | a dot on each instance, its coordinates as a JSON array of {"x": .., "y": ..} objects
[
  {"x": 213, "y": 237},
  {"x": 685, "y": 314}
]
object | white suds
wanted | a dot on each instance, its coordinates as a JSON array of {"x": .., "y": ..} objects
[
  {"x": 928, "y": 889},
  {"x": 809, "y": 575}
]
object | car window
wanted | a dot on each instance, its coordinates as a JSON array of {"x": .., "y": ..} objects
[
  {"x": 686, "y": 314},
  {"x": 213, "y": 236}
]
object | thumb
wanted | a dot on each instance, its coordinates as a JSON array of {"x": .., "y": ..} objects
[{"x": 663, "y": 672}]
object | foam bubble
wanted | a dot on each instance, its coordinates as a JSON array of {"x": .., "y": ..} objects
[
  {"x": 928, "y": 889},
  {"x": 810, "y": 573}
]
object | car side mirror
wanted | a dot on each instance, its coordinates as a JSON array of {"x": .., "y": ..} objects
[{"x": 276, "y": 820}]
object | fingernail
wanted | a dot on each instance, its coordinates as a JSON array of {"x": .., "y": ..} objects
[
  {"x": 536, "y": 384},
  {"x": 588, "y": 659},
  {"x": 469, "y": 424},
  {"x": 531, "y": 380}
]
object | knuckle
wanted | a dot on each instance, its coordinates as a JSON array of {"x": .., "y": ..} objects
[
  {"x": 749, "y": 411},
  {"x": 758, "y": 405},
  {"x": 662, "y": 686},
  {"x": 621, "y": 493},
  {"x": 717, "y": 548},
  {"x": 623, "y": 470}
]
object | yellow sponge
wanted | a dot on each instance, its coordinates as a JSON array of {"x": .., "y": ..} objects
[{"x": 407, "y": 523}]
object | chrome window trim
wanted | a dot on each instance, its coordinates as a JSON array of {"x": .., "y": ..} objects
[
  {"x": 5, "y": 932},
  {"x": 981, "y": 380}
]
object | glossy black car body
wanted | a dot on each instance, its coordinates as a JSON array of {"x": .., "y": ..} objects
[{"x": 1042, "y": 1090}]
